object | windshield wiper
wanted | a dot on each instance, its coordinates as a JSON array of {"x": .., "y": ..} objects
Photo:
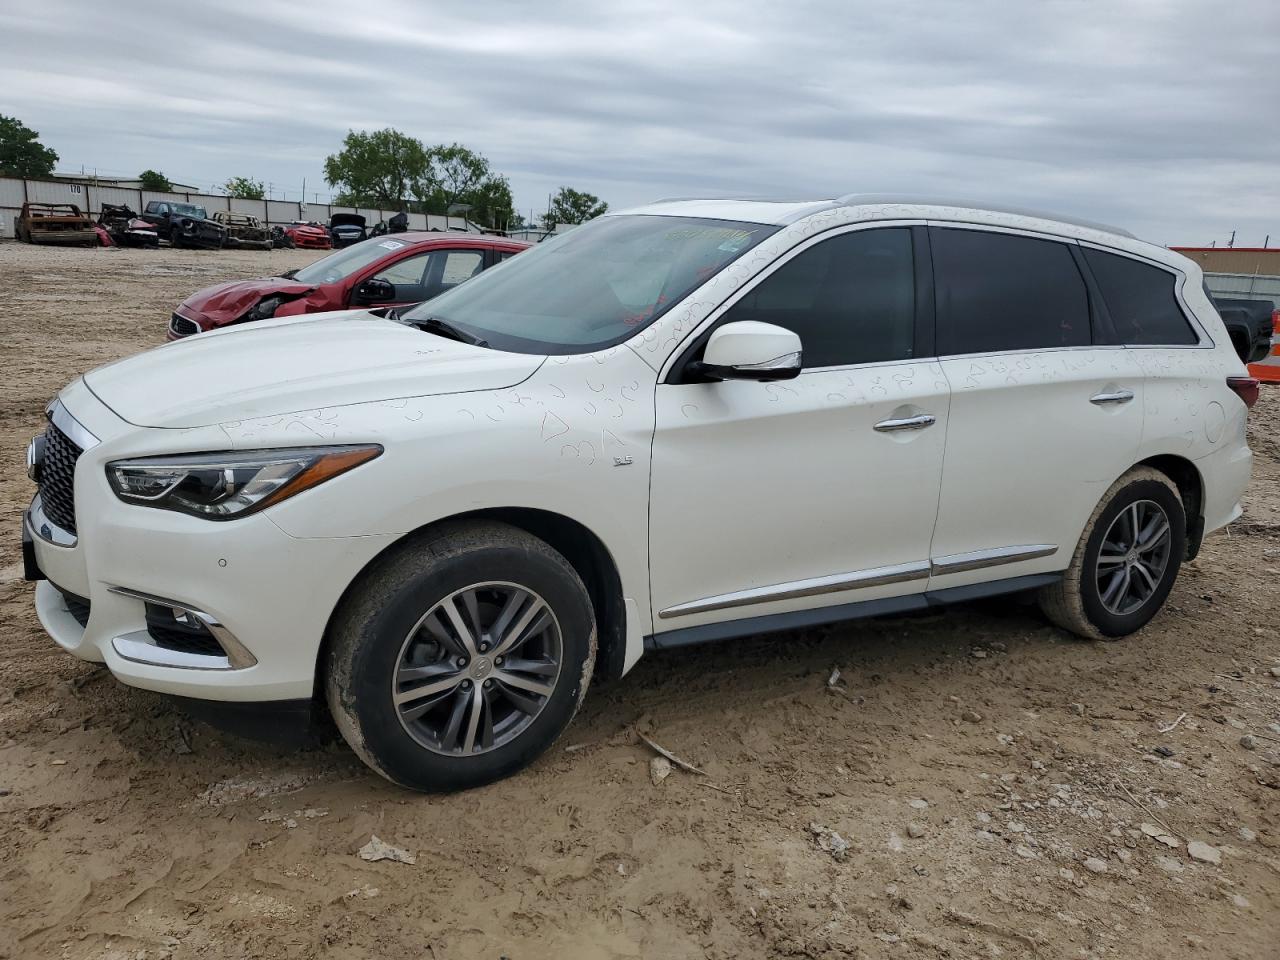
[
  {"x": 444, "y": 328},
  {"x": 288, "y": 274}
]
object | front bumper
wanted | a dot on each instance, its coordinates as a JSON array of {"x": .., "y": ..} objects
[
  {"x": 204, "y": 237},
  {"x": 272, "y": 594}
]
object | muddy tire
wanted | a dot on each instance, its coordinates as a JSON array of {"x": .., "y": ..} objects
[
  {"x": 1126, "y": 561},
  {"x": 459, "y": 657}
]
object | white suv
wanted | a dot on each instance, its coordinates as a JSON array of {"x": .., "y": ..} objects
[{"x": 692, "y": 421}]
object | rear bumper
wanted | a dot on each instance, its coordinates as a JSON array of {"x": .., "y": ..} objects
[
  {"x": 1226, "y": 475},
  {"x": 259, "y": 243},
  {"x": 69, "y": 238}
]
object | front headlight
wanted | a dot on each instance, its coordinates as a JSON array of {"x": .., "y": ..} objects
[
  {"x": 265, "y": 309},
  {"x": 223, "y": 486}
]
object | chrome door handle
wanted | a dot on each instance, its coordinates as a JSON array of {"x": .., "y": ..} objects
[
  {"x": 906, "y": 423},
  {"x": 1118, "y": 396}
]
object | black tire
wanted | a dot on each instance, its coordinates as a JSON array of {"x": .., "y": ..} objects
[
  {"x": 383, "y": 614},
  {"x": 1078, "y": 602}
]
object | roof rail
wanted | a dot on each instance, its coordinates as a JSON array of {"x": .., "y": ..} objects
[{"x": 855, "y": 199}]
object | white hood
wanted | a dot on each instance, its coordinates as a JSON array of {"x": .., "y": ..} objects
[{"x": 299, "y": 363}]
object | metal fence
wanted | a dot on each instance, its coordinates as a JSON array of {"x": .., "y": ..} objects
[
  {"x": 1244, "y": 285},
  {"x": 90, "y": 198}
]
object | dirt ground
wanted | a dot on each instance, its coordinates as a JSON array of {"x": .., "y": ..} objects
[{"x": 975, "y": 783}]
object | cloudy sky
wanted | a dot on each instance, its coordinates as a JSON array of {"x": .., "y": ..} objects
[{"x": 1159, "y": 115}]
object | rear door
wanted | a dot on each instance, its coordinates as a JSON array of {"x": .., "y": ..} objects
[{"x": 1046, "y": 409}]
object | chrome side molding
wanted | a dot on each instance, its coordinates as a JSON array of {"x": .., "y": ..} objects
[
  {"x": 995, "y": 557},
  {"x": 874, "y": 577}
]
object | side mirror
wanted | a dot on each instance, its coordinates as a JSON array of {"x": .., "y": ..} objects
[
  {"x": 376, "y": 290},
  {"x": 750, "y": 350}
]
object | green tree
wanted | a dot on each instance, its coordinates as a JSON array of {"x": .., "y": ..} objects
[
  {"x": 460, "y": 175},
  {"x": 379, "y": 169},
  {"x": 491, "y": 202},
  {"x": 245, "y": 188},
  {"x": 457, "y": 173},
  {"x": 21, "y": 153},
  {"x": 155, "y": 181},
  {"x": 573, "y": 206}
]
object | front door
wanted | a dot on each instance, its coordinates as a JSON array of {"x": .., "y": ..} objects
[{"x": 782, "y": 497}]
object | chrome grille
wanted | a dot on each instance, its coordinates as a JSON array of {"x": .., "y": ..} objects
[
  {"x": 58, "y": 478},
  {"x": 182, "y": 327}
]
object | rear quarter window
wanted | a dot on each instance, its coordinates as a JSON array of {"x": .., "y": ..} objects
[{"x": 1140, "y": 298}]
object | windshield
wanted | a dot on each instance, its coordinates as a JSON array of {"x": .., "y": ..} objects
[
  {"x": 347, "y": 261},
  {"x": 190, "y": 210},
  {"x": 595, "y": 286}
]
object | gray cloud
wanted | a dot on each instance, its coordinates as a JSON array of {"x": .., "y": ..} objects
[{"x": 1160, "y": 116}]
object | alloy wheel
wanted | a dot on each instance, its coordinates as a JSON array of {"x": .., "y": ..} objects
[
  {"x": 1134, "y": 556},
  {"x": 477, "y": 669}
]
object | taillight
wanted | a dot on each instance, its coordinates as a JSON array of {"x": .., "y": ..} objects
[
  {"x": 1246, "y": 388},
  {"x": 1275, "y": 323}
]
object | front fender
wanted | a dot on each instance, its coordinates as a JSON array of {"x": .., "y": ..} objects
[{"x": 574, "y": 440}]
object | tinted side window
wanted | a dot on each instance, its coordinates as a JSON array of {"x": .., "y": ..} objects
[
  {"x": 1140, "y": 300},
  {"x": 851, "y": 299},
  {"x": 460, "y": 265},
  {"x": 996, "y": 291},
  {"x": 410, "y": 270}
]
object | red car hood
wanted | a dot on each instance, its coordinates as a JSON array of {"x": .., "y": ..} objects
[
  {"x": 228, "y": 302},
  {"x": 307, "y": 229}
]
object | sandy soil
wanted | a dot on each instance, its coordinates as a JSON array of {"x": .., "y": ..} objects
[{"x": 990, "y": 776}]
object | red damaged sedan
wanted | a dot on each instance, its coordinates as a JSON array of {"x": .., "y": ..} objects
[{"x": 382, "y": 272}]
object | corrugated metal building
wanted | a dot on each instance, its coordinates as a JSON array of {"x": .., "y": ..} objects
[{"x": 1254, "y": 261}]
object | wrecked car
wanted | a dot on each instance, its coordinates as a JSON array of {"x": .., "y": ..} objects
[
  {"x": 57, "y": 223},
  {"x": 125, "y": 228},
  {"x": 304, "y": 235},
  {"x": 396, "y": 224},
  {"x": 374, "y": 273},
  {"x": 185, "y": 224},
  {"x": 346, "y": 229},
  {"x": 243, "y": 230}
]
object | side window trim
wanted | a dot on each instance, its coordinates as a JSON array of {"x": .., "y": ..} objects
[
  {"x": 1104, "y": 330},
  {"x": 926, "y": 333},
  {"x": 1204, "y": 338},
  {"x": 696, "y": 340}
]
